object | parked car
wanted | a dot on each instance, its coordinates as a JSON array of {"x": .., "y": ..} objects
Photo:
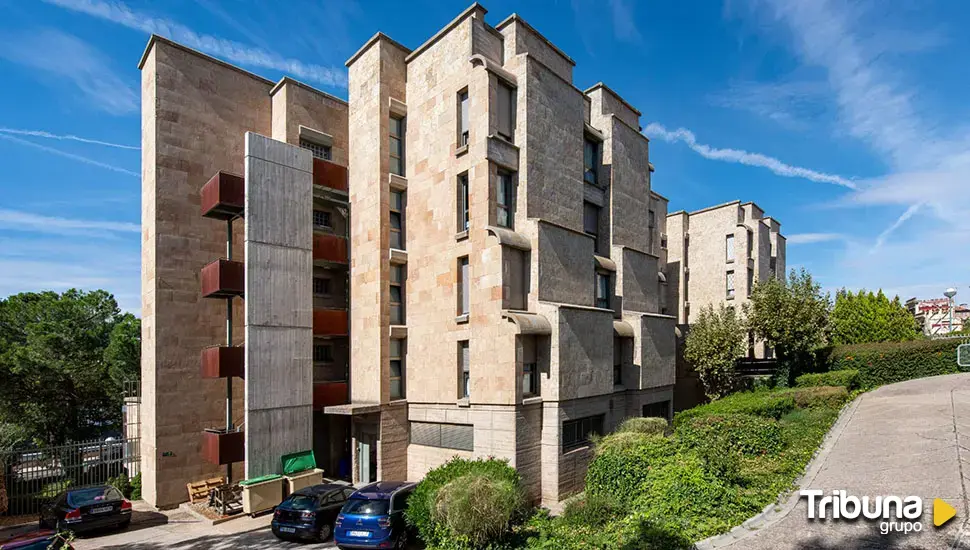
[
  {"x": 37, "y": 540},
  {"x": 374, "y": 517},
  {"x": 310, "y": 513},
  {"x": 86, "y": 508}
]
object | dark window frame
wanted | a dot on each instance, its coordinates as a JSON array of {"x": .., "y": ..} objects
[
  {"x": 576, "y": 433},
  {"x": 399, "y": 123}
]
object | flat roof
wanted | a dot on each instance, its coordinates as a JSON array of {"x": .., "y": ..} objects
[{"x": 616, "y": 95}]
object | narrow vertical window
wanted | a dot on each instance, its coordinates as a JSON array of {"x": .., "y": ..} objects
[
  {"x": 397, "y": 146},
  {"x": 617, "y": 361},
  {"x": 750, "y": 244},
  {"x": 651, "y": 229},
  {"x": 591, "y": 161},
  {"x": 602, "y": 290},
  {"x": 463, "y": 202},
  {"x": 463, "y": 118},
  {"x": 397, "y": 368},
  {"x": 514, "y": 278},
  {"x": 397, "y": 295},
  {"x": 530, "y": 367},
  {"x": 397, "y": 220},
  {"x": 729, "y": 248},
  {"x": 463, "y": 285},
  {"x": 750, "y": 280},
  {"x": 729, "y": 282},
  {"x": 506, "y": 111},
  {"x": 464, "y": 377},
  {"x": 505, "y": 199},
  {"x": 591, "y": 223}
]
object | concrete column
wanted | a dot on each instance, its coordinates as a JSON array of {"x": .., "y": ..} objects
[{"x": 279, "y": 316}]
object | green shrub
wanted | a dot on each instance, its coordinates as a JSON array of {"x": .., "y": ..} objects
[
  {"x": 136, "y": 487},
  {"x": 821, "y": 396},
  {"x": 736, "y": 433},
  {"x": 651, "y": 425},
  {"x": 594, "y": 510},
  {"x": 847, "y": 378},
  {"x": 622, "y": 463},
  {"x": 632, "y": 532},
  {"x": 51, "y": 490},
  {"x": 885, "y": 363},
  {"x": 477, "y": 509},
  {"x": 432, "y": 525},
  {"x": 121, "y": 483},
  {"x": 765, "y": 403}
]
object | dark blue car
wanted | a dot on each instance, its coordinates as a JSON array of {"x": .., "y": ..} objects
[
  {"x": 309, "y": 513},
  {"x": 374, "y": 517}
]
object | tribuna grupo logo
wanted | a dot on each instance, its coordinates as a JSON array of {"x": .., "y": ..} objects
[{"x": 895, "y": 514}]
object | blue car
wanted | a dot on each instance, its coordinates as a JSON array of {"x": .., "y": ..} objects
[
  {"x": 374, "y": 517},
  {"x": 310, "y": 513}
]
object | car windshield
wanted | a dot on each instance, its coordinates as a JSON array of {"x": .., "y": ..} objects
[
  {"x": 301, "y": 502},
  {"x": 364, "y": 507},
  {"x": 94, "y": 495}
]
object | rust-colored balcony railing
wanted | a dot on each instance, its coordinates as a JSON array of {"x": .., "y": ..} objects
[
  {"x": 223, "y": 362},
  {"x": 219, "y": 447},
  {"x": 330, "y": 322},
  {"x": 223, "y": 279},
  {"x": 223, "y": 196},
  {"x": 330, "y": 248},
  {"x": 328, "y": 174},
  {"x": 326, "y": 394}
]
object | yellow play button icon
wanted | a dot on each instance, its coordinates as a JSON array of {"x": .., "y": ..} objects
[{"x": 942, "y": 512}]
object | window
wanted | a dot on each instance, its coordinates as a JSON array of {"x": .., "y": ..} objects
[
  {"x": 397, "y": 368},
  {"x": 397, "y": 220},
  {"x": 464, "y": 376},
  {"x": 729, "y": 281},
  {"x": 506, "y": 111},
  {"x": 591, "y": 159},
  {"x": 397, "y": 146},
  {"x": 750, "y": 244},
  {"x": 658, "y": 410},
  {"x": 750, "y": 345},
  {"x": 504, "y": 199},
  {"x": 514, "y": 278},
  {"x": 591, "y": 223},
  {"x": 397, "y": 294},
  {"x": 462, "y": 202},
  {"x": 322, "y": 353},
  {"x": 447, "y": 436},
  {"x": 317, "y": 150},
  {"x": 463, "y": 286},
  {"x": 663, "y": 241},
  {"x": 576, "y": 433},
  {"x": 729, "y": 248},
  {"x": 769, "y": 352},
  {"x": 651, "y": 228},
  {"x": 772, "y": 263},
  {"x": 463, "y": 118},
  {"x": 321, "y": 286},
  {"x": 617, "y": 361},
  {"x": 321, "y": 218},
  {"x": 602, "y": 290},
  {"x": 750, "y": 280},
  {"x": 530, "y": 367}
]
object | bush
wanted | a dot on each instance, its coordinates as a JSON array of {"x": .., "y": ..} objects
[
  {"x": 847, "y": 378},
  {"x": 735, "y": 433},
  {"x": 765, "y": 403},
  {"x": 593, "y": 510},
  {"x": 136, "y": 487},
  {"x": 622, "y": 463},
  {"x": 121, "y": 483},
  {"x": 649, "y": 425},
  {"x": 633, "y": 532},
  {"x": 889, "y": 362},
  {"x": 422, "y": 509},
  {"x": 477, "y": 509},
  {"x": 832, "y": 397}
]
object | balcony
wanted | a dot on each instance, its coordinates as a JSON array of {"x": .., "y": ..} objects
[
  {"x": 327, "y": 394},
  {"x": 223, "y": 362},
  {"x": 330, "y": 322},
  {"x": 330, "y": 248},
  {"x": 223, "y": 279},
  {"x": 223, "y": 196},
  {"x": 219, "y": 447},
  {"x": 329, "y": 175}
]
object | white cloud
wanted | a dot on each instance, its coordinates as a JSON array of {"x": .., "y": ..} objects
[
  {"x": 738, "y": 156},
  {"x": 65, "y": 56},
  {"x": 65, "y": 137},
  {"x": 793, "y": 103},
  {"x": 17, "y": 220},
  {"x": 118, "y": 12},
  {"x": 72, "y": 156},
  {"x": 811, "y": 238},
  {"x": 624, "y": 22}
]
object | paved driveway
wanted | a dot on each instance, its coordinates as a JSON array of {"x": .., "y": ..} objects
[{"x": 911, "y": 438}]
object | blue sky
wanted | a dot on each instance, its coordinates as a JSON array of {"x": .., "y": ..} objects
[{"x": 847, "y": 121}]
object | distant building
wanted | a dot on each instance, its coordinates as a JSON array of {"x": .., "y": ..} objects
[{"x": 933, "y": 315}]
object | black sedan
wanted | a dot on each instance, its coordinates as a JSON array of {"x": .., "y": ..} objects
[
  {"x": 87, "y": 509},
  {"x": 309, "y": 513}
]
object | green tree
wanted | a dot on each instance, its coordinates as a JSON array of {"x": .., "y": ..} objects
[
  {"x": 712, "y": 346},
  {"x": 792, "y": 317},
  {"x": 54, "y": 370},
  {"x": 865, "y": 317},
  {"x": 123, "y": 354}
]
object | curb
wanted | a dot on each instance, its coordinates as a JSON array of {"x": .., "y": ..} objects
[{"x": 778, "y": 510}]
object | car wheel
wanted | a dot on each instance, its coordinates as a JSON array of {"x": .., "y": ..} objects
[
  {"x": 325, "y": 531},
  {"x": 402, "y": 541},
  {"x": 124, "y": 524}
]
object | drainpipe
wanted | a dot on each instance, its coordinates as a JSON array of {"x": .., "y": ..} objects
[{"x": 229, "y": 427}]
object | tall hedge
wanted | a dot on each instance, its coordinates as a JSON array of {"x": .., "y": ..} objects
[
  {"x": 864, "y": 317},
  {"x": 888, "y": 362}
]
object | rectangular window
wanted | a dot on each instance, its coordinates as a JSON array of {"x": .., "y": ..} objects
[
  {"x": 504, "y": 199},
  {"x": 514, "y": 278},
  {"x": 397, "y": 294},
  {"x": 447, "y": 436},
  {"x": 591, "y": 160},
  {"x": 591, "y": 223},
  {"x": 321, "y": 286},
  {"x": 651, "y": 228},
  {"x": 617, "y": 361},
  {"x": 321, "y": 219},
  {"x": 317, "y": 150},
  {"x": 462, "y": 202},
  {"x": 397, "y": 146},
  {"x": 658, "y": 410},
  {"x": 463, "y": 118},
  {"x": 506, "y": 111},
  {"x": 464, "y": 376},
  {"x": 602, "y": 290},
  {"x": 530, "y": 367},
  {"x": 322, "y": 353},
  {"x": 729, "y": 248},
  {"x": 576, "y": 433},
  {"x": 397, "y": 368},
  {"x": 750, "y": 244},
  {"x": 463, "y": 285},
  {"x": 729, "y": 283},
  {"x": 397, "y": 220},
  {"x": 750, "y": 280}
]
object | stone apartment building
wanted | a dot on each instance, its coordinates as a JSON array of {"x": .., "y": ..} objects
[{"x": 455, "y": 261}]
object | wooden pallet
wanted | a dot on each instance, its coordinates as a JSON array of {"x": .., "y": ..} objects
[{"x": 199, "y": 491}]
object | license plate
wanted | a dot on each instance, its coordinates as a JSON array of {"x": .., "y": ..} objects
[
  {"x": 287, "y": 530},
  {"x": 102, "y": 509},
  {"x": 359, "y": 533}
]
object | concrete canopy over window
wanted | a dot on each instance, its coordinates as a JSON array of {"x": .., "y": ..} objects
[
  {"x": 529, "y": 323},
  {"x": 623, "y": 329}
]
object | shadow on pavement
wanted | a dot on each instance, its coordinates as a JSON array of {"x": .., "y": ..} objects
[{"x": 258, "y": 538}]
